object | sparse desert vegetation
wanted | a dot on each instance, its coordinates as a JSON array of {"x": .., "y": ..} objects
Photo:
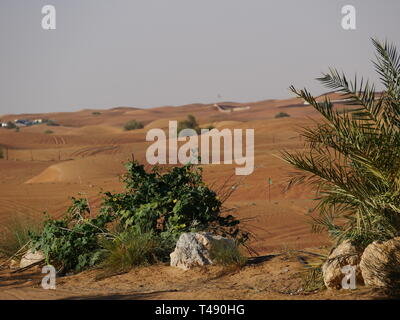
[
  {"x": 130, "y": 249},
  {"x": 16, "y": 235},
  {"x": 189, "y": 123},
  {"x": 282, "y": 115},
  {"x": 133, "y": 125},
  {"x": 228, "y": 256},
  {"x": 149, "y": 216},
  {"x": 127, "y": 234}
]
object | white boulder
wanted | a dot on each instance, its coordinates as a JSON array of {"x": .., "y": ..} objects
[
  {"x": 345, "y": 254},
  {"x": 30, "y": 258},
  {"x": 193, "y": 249},
  {"x": 380, "y": 264}
]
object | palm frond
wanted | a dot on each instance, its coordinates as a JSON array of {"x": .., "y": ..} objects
[{"x": 353, "y": 156}]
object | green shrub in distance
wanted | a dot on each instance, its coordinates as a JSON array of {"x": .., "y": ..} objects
[
  {"x": 282, "y": 115},
  {"x": 189, "y": 123},
  {"x": 133, "y": 125}
]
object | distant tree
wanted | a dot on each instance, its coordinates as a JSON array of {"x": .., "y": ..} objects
[
  {"x": 189, "y": 123},
  {"x": 49, "y": 132},
  {"x": 281, "y": 115},
  {"x": 133, "y": 125},
  {"x": 96, "y": 113}
]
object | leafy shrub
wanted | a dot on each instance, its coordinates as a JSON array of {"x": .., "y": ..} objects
[
  {"x": 148, "y": 218},
  {"x": 72, "y": 243},
  {"x": 281, "y": 115},
  {"x": 49, "y": 132},
  {"x": 353, "y": 157},
  {"x": 133, "y": 125},
  {"x": 96, "y": 113},
  {"x": 169, "y": 204}
]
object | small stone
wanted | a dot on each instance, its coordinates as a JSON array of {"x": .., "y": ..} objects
[{"x": 30, "y": 258}]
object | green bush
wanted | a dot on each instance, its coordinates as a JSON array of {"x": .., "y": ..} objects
[
  {"x": 353, "y": 157},
  {"x": 49, "y": 132},
  {"x": 281, "y": 115},
  {"x": 133, "y": 125},
  {"x": 191, "y": 123},
  {"x": 148, "y": 217},
  {"x": 169, "y": 204},
  {"x": 96, "y": 113},
  {"x": 72, "y": 243}
]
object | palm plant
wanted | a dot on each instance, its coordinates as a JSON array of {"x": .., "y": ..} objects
[{"x": 353, "y": 155}]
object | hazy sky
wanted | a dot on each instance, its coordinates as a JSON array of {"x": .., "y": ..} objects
[{"x": 147, "y": 53}]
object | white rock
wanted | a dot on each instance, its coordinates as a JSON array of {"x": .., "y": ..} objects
[
  {"x": 343, "y": 255},
  {"x": 380, "y": 264},
  {"x": 193, "y": 249},
  {"x": 31, "y": 257}
]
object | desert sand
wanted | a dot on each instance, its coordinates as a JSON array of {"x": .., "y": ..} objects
[{"x": 85, "y": 155}]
